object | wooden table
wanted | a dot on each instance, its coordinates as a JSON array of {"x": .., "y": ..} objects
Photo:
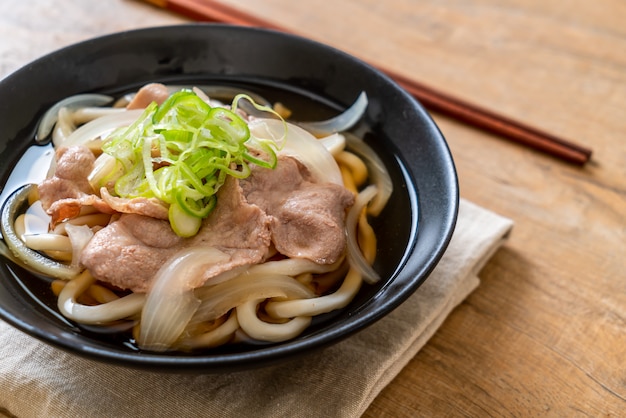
[{"x": 545, "y": 333}]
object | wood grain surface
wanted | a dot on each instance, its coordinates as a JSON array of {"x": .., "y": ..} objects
[{"x": 545, "y": 333}]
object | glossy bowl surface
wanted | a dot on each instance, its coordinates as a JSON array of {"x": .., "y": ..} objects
[{"x": 413, "y": 231}]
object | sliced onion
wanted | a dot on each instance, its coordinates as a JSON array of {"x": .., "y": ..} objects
[
  {"x": 80, "y": 100},
  {"x": 171, "y": 301},
  {"x": 20, "y": 253},
  {"x": 378, "y": 173},
  {"x": 355, "y": 256},
  {"x": 219, "y": 299},
  {"x": 105, "y": 169},
  {"x": 79, "y": 236},
  {"x": 302, "y": 145},
  {"x": 36, "y": 220},
  {"x": 100, "y": 314},
  {"x": 101, "y": 127},
  {"x": 334, "y": 143},
  {"x": 342, "y": 122}
]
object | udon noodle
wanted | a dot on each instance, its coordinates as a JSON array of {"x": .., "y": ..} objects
[{"x": 271, "y": 299}]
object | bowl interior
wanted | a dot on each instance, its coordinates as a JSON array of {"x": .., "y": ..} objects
[{"x": 315, "y": 81}]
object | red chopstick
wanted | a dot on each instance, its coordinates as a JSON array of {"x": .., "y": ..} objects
[{"x": 215, "y": 11}]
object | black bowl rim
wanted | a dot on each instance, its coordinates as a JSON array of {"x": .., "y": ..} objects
[{"x": 275, "y": 353}]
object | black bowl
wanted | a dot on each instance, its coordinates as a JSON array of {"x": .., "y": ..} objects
[{"x": 413, "y": 231}]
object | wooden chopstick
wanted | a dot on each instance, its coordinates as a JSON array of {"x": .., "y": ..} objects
[{"x": 215, "y": 11}]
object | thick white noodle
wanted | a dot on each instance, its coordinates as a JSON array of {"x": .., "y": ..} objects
[
  {"x": 292, "y": 267},
  {"x": 47, "y": 242},
  {"x": 213, "y": 338},
  {"x": 100, "y": 314},
  {"x": 355, "y": 255},
  {"x": 264, "y": 331},
  {"x": 49, "y": 118},
  {"x": 87, "y": 114},
  {"x": 378, "y": 172},
  {"x": 316, "y": 306},
  {"x": 63, "y": 128}
]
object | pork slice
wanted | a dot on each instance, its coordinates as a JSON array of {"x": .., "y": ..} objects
[
  {"x": 70, "y": 208},
  {"x": 234, "y": 223},
  {"x": 152, "y": 207},
  {"x": 310, "y": 223},
  {"x": 307, "y": 217},
  {"x": 236, "y": 228},
  {"x": 153, "y": 92},
  {"x": 73, "y": 165},
  {"x": 68, "y": 190},
  {"x": 129, "y": 252}
]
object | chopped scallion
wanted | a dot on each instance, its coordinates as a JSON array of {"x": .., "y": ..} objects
[{"x": 181, "y": 152}]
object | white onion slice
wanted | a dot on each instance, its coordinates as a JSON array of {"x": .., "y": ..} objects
[
  {"x": 80, "y": 100},
  {"x": 171, "y": 301},
  {"x": 219, "y": 299},
  {"x": 342, "y": 122},
  {"x": 18, "y": 251},
  {"x": 334, "y": 143},
  {"x": 79, "y": 236},
  {"x": 101, "y": 127},
  {"x": 302, "y": 145}
]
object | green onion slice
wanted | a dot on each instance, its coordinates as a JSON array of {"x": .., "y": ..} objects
[{"x": 181, "y": 152}]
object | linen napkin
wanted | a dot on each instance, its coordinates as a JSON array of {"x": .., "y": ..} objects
[{"x": 341, "y": 381}]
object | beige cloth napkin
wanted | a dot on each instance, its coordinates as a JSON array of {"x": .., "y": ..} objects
[{"x": 341, "y": 381}]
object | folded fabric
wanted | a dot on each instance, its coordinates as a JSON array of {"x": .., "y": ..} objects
[{"x": 341, "y": 381}]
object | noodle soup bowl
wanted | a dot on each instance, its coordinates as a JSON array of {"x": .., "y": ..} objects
[{"x": 317, "y": 82}]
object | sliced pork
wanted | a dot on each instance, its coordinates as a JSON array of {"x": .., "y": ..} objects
[
  {"x": 151, "y": 207},
  {"x": 285, "y": 207},
  {"x": 68, "y": 190},
  {"x": 73, "y": 165},
  {"x": 153, "y": 92},
  {"x": 308, "y": 217},
  {"x": 129, "y": 251}
]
